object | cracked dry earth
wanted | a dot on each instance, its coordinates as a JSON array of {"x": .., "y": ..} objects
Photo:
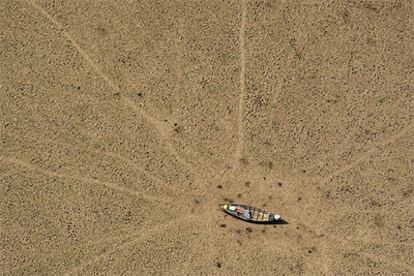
[{"x": 125, "y": 123}]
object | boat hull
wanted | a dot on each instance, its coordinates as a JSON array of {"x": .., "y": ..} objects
[{"x": 250, "y": 214}]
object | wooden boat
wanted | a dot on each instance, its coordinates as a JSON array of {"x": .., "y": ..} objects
[{"x": 250, "y": 214}]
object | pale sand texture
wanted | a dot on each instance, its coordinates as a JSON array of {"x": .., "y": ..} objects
[{"x": 125, "y": 123}]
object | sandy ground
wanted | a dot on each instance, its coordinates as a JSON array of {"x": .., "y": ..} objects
[{"x": 125, "y": 123}]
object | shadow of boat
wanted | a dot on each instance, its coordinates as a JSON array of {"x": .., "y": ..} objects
[{"x": 274, "y": 222}]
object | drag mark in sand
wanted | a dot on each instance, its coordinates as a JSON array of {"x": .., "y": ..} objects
[
  {"x": 344, "y": 243},
  {"x": 74, "y": 43},
  {"x": 366, "y": 154},
  {"x": 163, "y": 131},
  {"x": 242, "y": 95},
  {"x": 84, "y": 179},
  {"x": 133, "y": 238},
  {"x": 98, "y": 70},
  {"x": 162, "y": 184},
  {"x": 106, "y": 153}
]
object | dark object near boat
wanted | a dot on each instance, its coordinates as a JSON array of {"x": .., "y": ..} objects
[{"x": 252, "y": 214}]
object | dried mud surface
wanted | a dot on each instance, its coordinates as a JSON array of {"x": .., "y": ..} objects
[{"x": 125, "y": 123}]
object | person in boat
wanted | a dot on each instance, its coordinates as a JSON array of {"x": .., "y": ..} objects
[{"x": 240, "y": 211}]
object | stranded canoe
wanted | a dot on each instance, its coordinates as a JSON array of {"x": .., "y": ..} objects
[{"x": 249, "y": 213}]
